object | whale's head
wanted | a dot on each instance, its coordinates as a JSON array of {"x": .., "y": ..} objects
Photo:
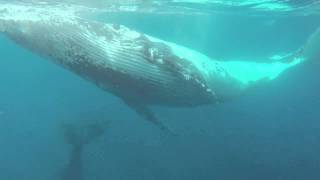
[
  {"x": 21, "y": 20},
  {"x": 31, "y": 25},
  {"x": 19, "y": 31}
]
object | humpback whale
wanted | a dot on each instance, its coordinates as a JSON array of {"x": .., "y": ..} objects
[{"x": 140, "y": 69}]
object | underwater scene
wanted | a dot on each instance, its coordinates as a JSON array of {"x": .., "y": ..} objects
[{"x": 159, "y": 89}]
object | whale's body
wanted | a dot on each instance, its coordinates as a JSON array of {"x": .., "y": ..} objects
[
  {"x": 140, "y": 69},
  {"x": 127, "y": 63}
]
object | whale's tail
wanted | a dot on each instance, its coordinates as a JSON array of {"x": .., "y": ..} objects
[
  {"x": 78, "y": 135},
  {"x": 84, "y": 132}
]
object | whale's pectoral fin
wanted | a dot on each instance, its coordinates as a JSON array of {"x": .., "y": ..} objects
[{"x": 148, "y": 115}]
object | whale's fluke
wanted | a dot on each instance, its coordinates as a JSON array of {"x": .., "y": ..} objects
[{"x": 78, "y": 135}]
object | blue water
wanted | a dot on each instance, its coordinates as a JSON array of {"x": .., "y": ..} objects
[{"x": 270, "y": 133}]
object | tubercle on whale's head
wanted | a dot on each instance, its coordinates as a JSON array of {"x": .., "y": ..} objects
[{"x": 16, "y": 30}]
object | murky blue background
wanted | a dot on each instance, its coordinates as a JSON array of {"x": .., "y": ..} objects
[{"x": 272, "y": 132}]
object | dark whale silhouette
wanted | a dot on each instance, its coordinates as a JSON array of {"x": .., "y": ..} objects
[
  {"x": 78, "y": 136},
  {"x": 140, "y": 69}
]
